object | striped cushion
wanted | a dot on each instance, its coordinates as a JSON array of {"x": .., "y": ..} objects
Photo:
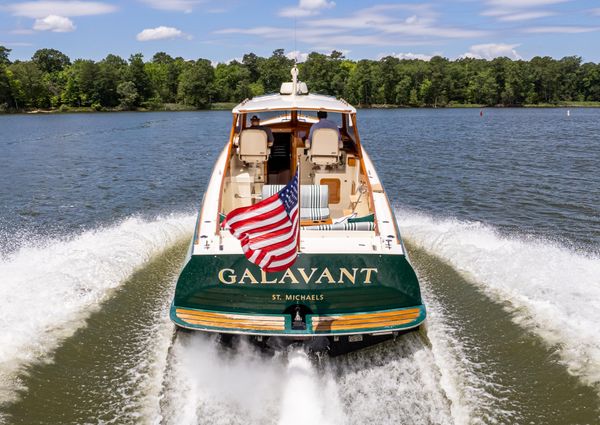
[
  {"x": 314, "y": 213},
  {"x": 343, "y": 226},
  {"x": 314, "y": 200}
]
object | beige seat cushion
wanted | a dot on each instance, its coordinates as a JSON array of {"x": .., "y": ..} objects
[
  {"x": 324, "y": 149},
  {"x": 253, "y": 146}
]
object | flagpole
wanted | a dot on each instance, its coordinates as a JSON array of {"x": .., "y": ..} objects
[{"x": 299, "y": 203}]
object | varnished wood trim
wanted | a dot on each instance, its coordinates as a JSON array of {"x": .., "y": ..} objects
[
  {"x": 334, "y": 189},
  {"x": 363, "y": 170},
  {"x": 315, "y": 222},
  {"x": 228, "y": 315},
  {"x": 362, "y": 318},
  {"x": 378, "y": 188},
  {"x": 237, "y": 325},
  {"x": 223, "y": 319},
  {"x": 231, "y": 321},
  {"x": 342, "y": 327},
  {"x": 226, "y": 168},
  {"x": 364, "y": 321}
]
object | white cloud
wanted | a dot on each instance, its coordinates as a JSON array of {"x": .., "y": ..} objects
[
  {"x": 43, "y": 9},
  {"x": 380, "y": 19},
  {"x": 54, "y": 23},
  {"x": 401, "y": 56},
  {"x": 306, "y": 8},
  {"x": 492, "y": 50},
  {"x": 380, "y": 25},
  {"x": 159, "y": 33},
  {"x": 186, "y": 6},
  {"x": 523, "y": 3},
  {"x": 14, "y": 44},
  {"x": 525, "y": 16},
  {"x": 323, "y": 39},
  {"x": 297, "y": 55},
  {"x": 560, "y": 30},
  {"x": 519, "y": 10}
]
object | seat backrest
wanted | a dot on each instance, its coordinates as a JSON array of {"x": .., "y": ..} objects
[
  {"x": 253, "y": 146},
  {"x": 314, "y": 199},
  {"x": 324, "y": 149}
]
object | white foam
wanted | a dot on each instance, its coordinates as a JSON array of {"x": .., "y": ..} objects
[
  {"x": 307, "y": 397},
  {"x": 392, "y": 382},
  {"x": 549, "y": 289},
  {"x": 49, "y": 288},
  {"x": 209, "y": 383}
]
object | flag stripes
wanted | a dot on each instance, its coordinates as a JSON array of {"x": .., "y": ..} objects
[{"x": 268, "y": 230}]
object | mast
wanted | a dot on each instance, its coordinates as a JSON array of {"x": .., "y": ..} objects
[{"x": 294, "y": 80}]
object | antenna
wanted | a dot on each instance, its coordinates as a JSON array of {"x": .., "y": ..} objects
[
  {"x": 294, "y": 80},
  {"x": 295, "y": 48}
]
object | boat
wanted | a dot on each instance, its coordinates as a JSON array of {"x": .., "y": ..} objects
[{"x": 351, "y": 284}]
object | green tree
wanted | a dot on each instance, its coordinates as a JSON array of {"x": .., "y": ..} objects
[
  {"x": 4, "y": 53},
  {"x": 483, "y": 88},
  {"x": 253, "y": 64},
  {"x": 137, "y": 74},
  {"x": 402, "y": 91},
  {"x": 50, "y": 60},
  {"x": 27, "y": 85},
  {"x": 5, "y": 93},
  {"x": 163, "y": 74},
  {"x": 589, "y": 85},
  {"x": 112, "y": 71},
  {"x": 232, "y": 82},
  {"x": 359, "y": 89},
  {"x": 128, "y": 95},
  {"x": 195, "y": 85},
  {"x": 274, "y": 71}
]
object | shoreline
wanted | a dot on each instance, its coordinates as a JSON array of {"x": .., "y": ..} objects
[{"x": 229, "y": 106}]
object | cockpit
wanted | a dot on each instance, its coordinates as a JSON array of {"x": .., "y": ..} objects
[{"x": 334, "y": 187}]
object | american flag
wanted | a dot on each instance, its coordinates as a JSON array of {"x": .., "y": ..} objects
[{"x": 268, "y": 229}]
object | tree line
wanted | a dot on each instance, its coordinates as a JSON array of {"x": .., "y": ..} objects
[{"x": 51, "y": 80}]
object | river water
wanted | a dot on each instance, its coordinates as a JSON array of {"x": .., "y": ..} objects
[{"x": 500, "y": 213}]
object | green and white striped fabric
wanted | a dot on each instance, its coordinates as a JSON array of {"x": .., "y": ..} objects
[
  {"x": 314, "y": 200},
  {"x": 343, "y": 226}
]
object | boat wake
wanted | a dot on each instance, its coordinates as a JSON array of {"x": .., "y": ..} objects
[
  {"x": 548, "y": 289},
  {"x": 384, "y": 384},
  {"x": 49, "y": 288}
]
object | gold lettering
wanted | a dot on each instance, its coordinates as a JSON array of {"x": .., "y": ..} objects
[
  {"x": 230, "y": 279},
  {"x": 263, "y": 278},
  {"x": 288, "y": 273},
  {"x": 303, "y": 297},
  {"x": 368, "y": 272},
  {"x": 346, "y": 273},
  {"x": 248, "y": 275},
  {"x": 304, "y": 276},
  {"x": 327, "y": 274}
]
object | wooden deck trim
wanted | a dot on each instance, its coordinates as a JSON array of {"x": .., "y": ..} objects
[
  {"x": 231, "y": 321},
  {"x": 364, "y": 321},
  {"x": 229, "y": 315},
  {"x": 340, "y": 327}
]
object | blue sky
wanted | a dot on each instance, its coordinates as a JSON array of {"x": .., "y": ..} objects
[{"x": 226, "y": 29}]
